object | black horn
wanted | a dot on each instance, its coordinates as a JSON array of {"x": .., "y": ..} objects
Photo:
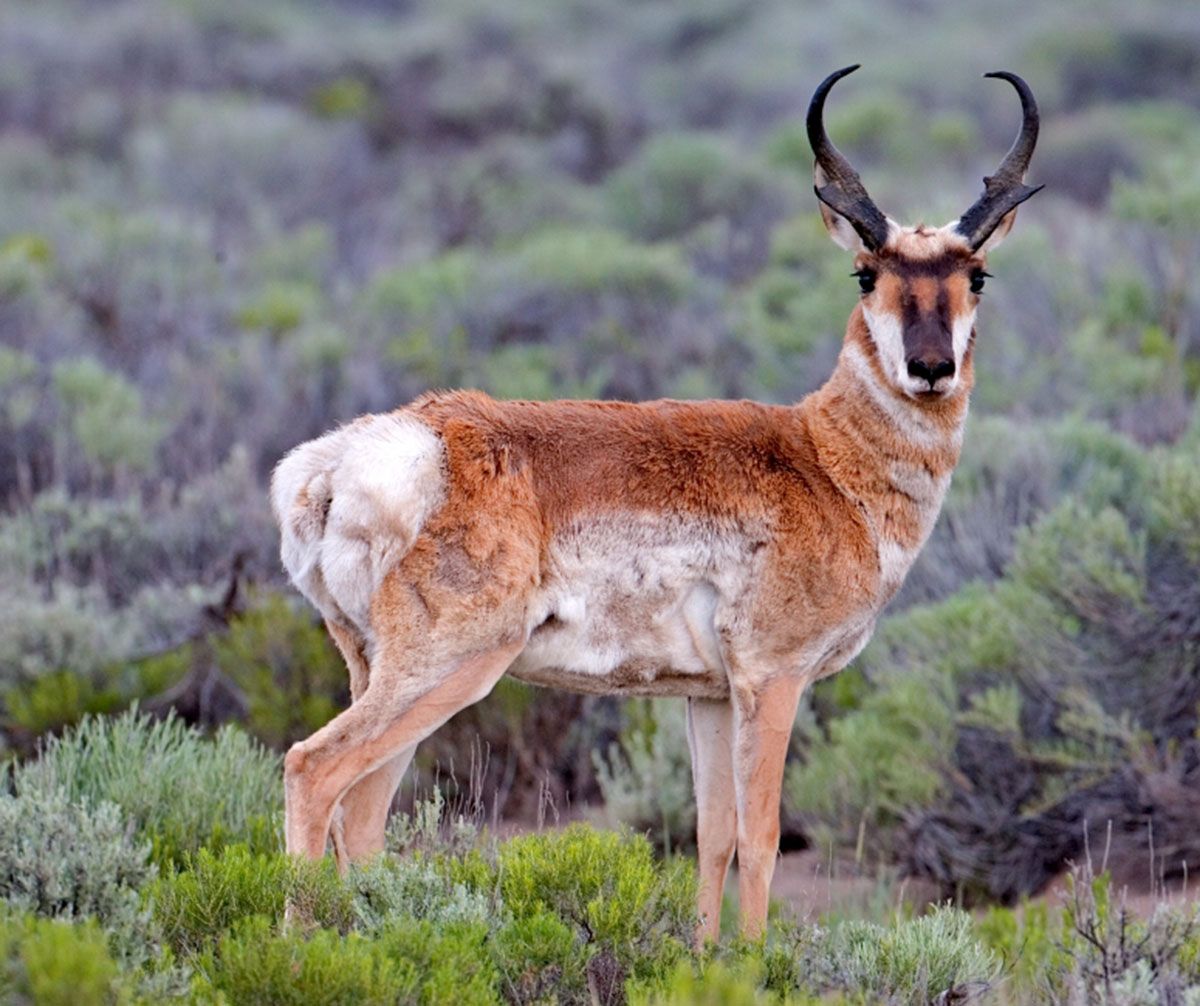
[
  {"x": 837, "y": 183},
  {"x": 1005, "y": 190}
]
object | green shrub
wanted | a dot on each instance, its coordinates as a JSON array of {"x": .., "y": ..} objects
[
  {"x": 451, "y": 962},
  {"x": 595, "y": 260},
  {"x": 340, "y": 98},
  {"x": 540, "y": 959},
  {"x": 58, "y": 699},
  {"x": 420, "y": 965},
  {"x": 850, "y": 783},
  {"x": 1017, "y": 702},
  {"x": 55, "y": 963},
  {"x": 713, "y": 985},
  {"x": 280, "y": 307},
  {"x": 1175, "y": 506},
  {"x": 196, "y": 904},
  {"x": 797, "y": 303},
  {"x": 1026, "y": 939},
  {"x": 418, "y": 291},
  {"x": 293, "y": 677},
  {"x": 106, "y": 415},
  {"x": 179, "y": 789},
  {"x": 607, "y": 886},
  {"x": 18, "y": 377},
  {"x": 65, "y": 859}
]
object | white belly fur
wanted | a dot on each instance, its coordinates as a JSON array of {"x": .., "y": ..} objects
[{"x": 629, "y": 604}]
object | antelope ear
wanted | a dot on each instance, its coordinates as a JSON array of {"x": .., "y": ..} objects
[
  {"x": 841, "y": 230},
  {"x": 844, "y": 233},
  {"x": 997, "y": 236}
]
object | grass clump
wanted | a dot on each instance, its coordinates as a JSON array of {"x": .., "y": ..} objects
[
  {"x": 179, "y": 789},
  {"x": 414, "y": 965},
  {"x": 194, "y": 906}
]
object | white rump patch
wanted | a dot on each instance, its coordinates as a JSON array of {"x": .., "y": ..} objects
[{"x": 351, "y": 503}]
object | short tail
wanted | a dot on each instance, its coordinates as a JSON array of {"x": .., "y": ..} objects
[{"x": 350, "y": 504}]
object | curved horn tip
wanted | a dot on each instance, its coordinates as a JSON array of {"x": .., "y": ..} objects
[
  {"x": 845, "y": 71},
  {"x": 1016, "y": 80}
]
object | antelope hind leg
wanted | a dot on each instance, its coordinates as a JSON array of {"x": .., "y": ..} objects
[
  {"x": 376, "y": 729},
  {"x": 361, "y": 818}
]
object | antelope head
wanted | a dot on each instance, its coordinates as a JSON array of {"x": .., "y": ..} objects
[{"x": 920, "y": 285}]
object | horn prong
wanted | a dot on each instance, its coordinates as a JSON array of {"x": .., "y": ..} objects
[{"x": 1005, "y": 189}]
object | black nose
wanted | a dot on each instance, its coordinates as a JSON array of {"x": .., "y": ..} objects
[{"x": 930, "y": 369}]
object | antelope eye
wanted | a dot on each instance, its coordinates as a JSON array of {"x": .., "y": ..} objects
[
  {"x": 866, "y": 279},
  {"x": 977, "y": 278}
]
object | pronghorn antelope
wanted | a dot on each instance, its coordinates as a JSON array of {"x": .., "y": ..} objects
[{"x": 727, "y": 552}]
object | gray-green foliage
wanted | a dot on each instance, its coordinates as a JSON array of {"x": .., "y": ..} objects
[
  {"x": 646, "y": 779},
  {"x": 677, "y": 181},
  {"x": 936, "y": 957},
  {"x": 66, "y": 859},
  {"x": 105, "y": 415},
  {"x": 179, "y": 789},
  {"x": 388, "y": 889}
]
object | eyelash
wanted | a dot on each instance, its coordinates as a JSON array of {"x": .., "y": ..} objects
[{"x": 866, "y": 280}]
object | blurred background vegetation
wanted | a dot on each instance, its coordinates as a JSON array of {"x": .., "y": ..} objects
[{"x": 226, "y": 227}]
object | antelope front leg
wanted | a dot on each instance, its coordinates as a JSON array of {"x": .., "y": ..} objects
[
  {"x": 377, "y": 728},
  {"x": 761, "y": 737},
  {"x": 710, "y": 740}
]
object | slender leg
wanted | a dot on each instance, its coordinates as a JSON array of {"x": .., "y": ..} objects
[
  {"x": 761, "y": 736},
  {"x": 359, "y": 829},
  {"x": 394, "y": 714},
  {"x": 710, "y": 739},
  {"x": 352, "y": 647},
  {"x": 360, "y": 820}
]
